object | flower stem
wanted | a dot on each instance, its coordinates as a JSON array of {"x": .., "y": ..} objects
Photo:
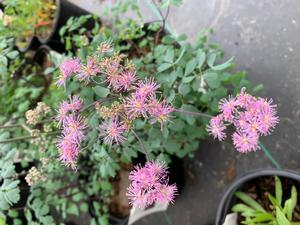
[
  {"x": 10, "y": 126},
  {"x": 142, "y": 145},
  {"x": 268, "y": 154},
  {"x": 169, "y": 222},
  {"x": 24, "y": 138},
  {"x": 193, "y": 113}
]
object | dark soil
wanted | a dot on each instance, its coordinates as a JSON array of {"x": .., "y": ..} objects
[{"x": 260, "y": 188}]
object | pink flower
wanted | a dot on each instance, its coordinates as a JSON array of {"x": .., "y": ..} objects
[
  {"x": 75, "y": 103},
  {"x": 112, "y": 132},
  {"x": 267, "y": 122},
  {"x": 73, "y": 131},
  {"x": 159, "y": 111},
  {"x": 88, "y": 70},
  {"x": 74, "y": 127},
  {"x": 65, "y": 107},
  {"x": 149, "y": 185},
  {"x": 146, "y": 88},
  {"x": 245, "y": 142},
  {"x": 124, "y": 81},
  {"x": 244, "y": 100},
  {"x": 251, "y": 116},
  {"x": 216, "y": 128},
  {"x": 67, "y": 69},
  {"x": 227, "y": 108},
  {"x": 68, "y": 151},
  {"x": 165, "y": 193},
  {"x": 136, "y": 106}
]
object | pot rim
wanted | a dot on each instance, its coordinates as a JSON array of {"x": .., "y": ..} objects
[{"x": 227, "y": 196}]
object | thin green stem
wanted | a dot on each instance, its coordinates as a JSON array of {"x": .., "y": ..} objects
[
  {"x": 24, "y": 138},
  {"x": 142, "y": 145},
  {"x": 268, "y": 154},
  {"x": 193, "y": 113},
  {"x": 159, "y": 15},
  {"x": 169, "y": 222},
  {"x": 10, "y": 126}
]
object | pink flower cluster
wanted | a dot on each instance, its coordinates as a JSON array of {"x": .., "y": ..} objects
[
  {"x": 144, "y": 103},
  {"x": 251, "y": 116},
  {"x": 73, "y": 126},
  {"x": 67, "y": 69},
  {"x": 149, "y": 184},
  {"x": 138, "y": 98}
]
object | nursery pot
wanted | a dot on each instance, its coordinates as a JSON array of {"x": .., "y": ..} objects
[
  {"x": 64, "y": 11},
  {"x": 31, "y": 43},
  {"x": 228, "y": 199}
]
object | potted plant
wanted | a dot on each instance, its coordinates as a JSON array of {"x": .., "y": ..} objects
[
  {"x": 19, "y": 18},
  {"x": 41, "y": 18},
  {"x": 47, "y": 32},
  {"x": 261, "y": 197}
]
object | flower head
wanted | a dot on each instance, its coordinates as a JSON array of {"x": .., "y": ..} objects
[
  {"x": 159, "y": 111},
  {"x": 67, "y": 69},
  {"x": 146, "y": 88},
  {"x": 68, "y": 151},
  {"x": 73, "y": 128},
  {"x": 227, "y": 108},
  {"x": 75, "y": 103},
  {"x": 62, "y": 112},
  {"x": 245, "y": 142},
  {"x": 136, "y": 106},
  {"x": 112, "y": 132},
  {"x": 251, "y": 116},
  {"x": 124, "y": 81},
  {"x": 149, "y": 184},
  {"x": 90, "y": 69},
  {"x": 216, "y": 127}
]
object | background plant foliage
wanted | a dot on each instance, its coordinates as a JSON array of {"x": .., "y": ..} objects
[{"x": 193, "y": 77}]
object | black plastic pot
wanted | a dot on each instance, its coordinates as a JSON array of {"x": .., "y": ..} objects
[
  {"x": 228, "y": 199},
  {"x": 64, "y": 11}
]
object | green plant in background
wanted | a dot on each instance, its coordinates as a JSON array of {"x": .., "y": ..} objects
[
  {"x": 279, "y": 212},
  {"x": 8, "y": 57},
  {"x": 19, "y": 17},
  {"x": 193, "y": 77}
]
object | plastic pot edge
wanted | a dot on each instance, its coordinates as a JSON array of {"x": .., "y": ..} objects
[{"x": 225, "y": 200}]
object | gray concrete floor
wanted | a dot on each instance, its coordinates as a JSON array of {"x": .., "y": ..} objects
[{"x": 264, "y": 38}]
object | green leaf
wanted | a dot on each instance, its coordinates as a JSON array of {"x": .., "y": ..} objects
[
  {"x": 13, "y": 195},
  {"x": 280, "y": 218},
  {"x": 72, "y": 209},
  {"x": 224, "y": 66},
  {"x": 163, "y": 67},
  {"x": 180, "y": 56},
  {"x": 242, "y": 208},
  {"x": 291, "y": 203},
  {"x": 172, "y": 146},
  {"x": 200, "y": 58},
  {"x": 187, "y": 79},
  {"x": 190, "y": 66},
  {"x": 169, "y": 57},
  {"x": 101, "y": 91},
  {"x": 84, "y": 207},
  {"x": 278, "y": 190},
  {"x": 249, "y": 201},
  {"x": 258, "y": 88},
  {"x": 184, "y": 89},
  {"x": 12, "y": 55},
  {"x": 212, "y": 79}
]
